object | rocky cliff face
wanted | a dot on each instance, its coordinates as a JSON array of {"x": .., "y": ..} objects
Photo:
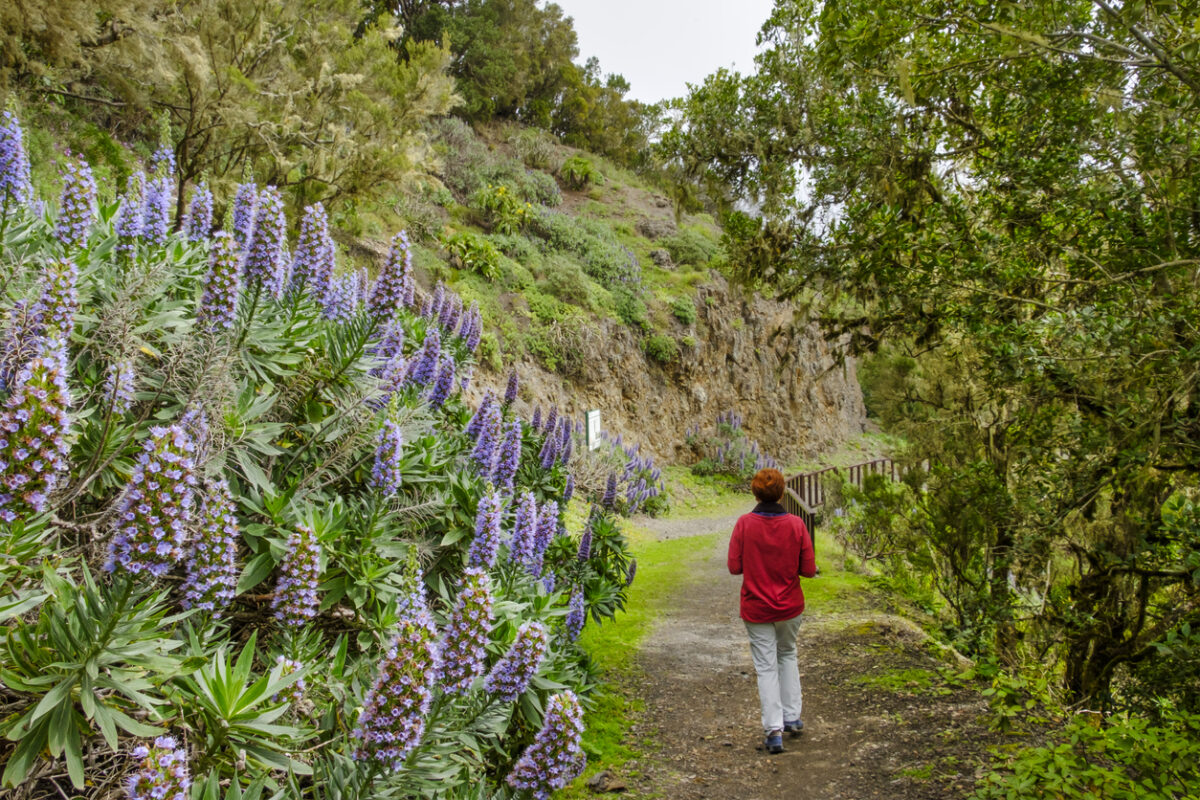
[{"x": 751, "y": 355}]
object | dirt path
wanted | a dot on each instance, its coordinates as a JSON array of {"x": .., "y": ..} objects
[{"x": 879, "y": 720}]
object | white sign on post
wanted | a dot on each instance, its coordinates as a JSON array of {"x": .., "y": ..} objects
[{"x": 593, "y": 429}]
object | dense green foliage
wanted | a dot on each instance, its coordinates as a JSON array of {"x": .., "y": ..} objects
[
  {"x": 515, "y": 59},
  {"x": 296, "y": 404}
]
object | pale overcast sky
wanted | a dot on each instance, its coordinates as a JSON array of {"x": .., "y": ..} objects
[{"x": 662, "y": 45}]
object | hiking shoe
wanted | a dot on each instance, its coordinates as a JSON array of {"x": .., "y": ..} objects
[
  {"x": 794, "y": 728},
  {"x": 774, "y": 742}
]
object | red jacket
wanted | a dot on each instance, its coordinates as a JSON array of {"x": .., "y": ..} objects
[{"x": 771, "y": 549}]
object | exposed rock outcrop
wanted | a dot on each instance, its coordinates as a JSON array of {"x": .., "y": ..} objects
[{"x": 752, "y": 355}]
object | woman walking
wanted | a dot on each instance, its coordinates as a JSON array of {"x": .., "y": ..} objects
[{"x": 771, "y": 550}]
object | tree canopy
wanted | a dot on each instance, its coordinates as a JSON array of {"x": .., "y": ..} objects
[{"x": 1000, "y": 198}]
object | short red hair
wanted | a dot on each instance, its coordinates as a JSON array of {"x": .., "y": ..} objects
[{"x": 768, "y": 485}]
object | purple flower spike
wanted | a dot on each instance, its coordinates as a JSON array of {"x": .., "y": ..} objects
[
  {"x": 393, "y": 717},
  {"x": 394, "y": 287},
  {"x": 59, "y": 301},
  {"x": 386, "y": 475},
  {"x": 154, "y": 515},
  {"x": 548, "y": 582},
  {"x": 119, "y": 385},
  {"x": 295, "y": 601},
  {"x": 162, "y": 772},
  {"x": 341, "y": 301},
  {"x": 198, "y": 224},
  {"x": 156, "y": 212},
  {"x": 424, "y": 369},
  {"x": 630, "y": 573},
  {"x": 77, "y": 209},
  {"x": 577, "y": 615},
  {"x": 487, "y": 531},
  {"x": 547, "y": 526},
  {"x": 484, "y": 453},
  {"x": 556, "y": 756},
  {"x": 521, "y": 546},
  {"x": 610, "y": 492},
  {"x": 33, "y": 428},
  {"x": 536, "y": 422},
  {"x": 127, "y": 224},
  {"x": 212, "y": 570},
  {"x": 552, "y": 422},
  {"x": 510, "y": 391},
  {"x": 264, "y": 251},
  {"x": 222, "y": 285},
  {"x": 245, "y": 199},
  {"x": 569, "y": 489},
  {"x": 16, "y": 188},
  {"x": 162, "y": 161},
  {"x": 585, "y": 542},
  {"x": 549, "y": 452},
  {"x": 509, "y": 679},
  {"x": 444, "y": 382},
  {"x": 477, "y": 420},
  {"x": 464, "y": 644},
  {"x": 293, "y": 694},
  {"x": 475, "y": 331},
  {"x": 509, "y": 458},
  {"x": 315, "y": 253}
]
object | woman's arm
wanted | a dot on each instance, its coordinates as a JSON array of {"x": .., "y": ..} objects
[
  {"x": 735, "y": 550},
  {"x": 808, "y": 557}
]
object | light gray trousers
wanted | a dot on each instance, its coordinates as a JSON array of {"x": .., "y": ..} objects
[{"x": 773, "y": 649}]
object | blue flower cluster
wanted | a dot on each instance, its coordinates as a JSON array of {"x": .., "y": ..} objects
[
  {"x": 585, "y": 541},
  {"x": 77, "y": 208},
  {"x": 487, "y": 530},
  {"x": 33, "y": 429},
  {"x": 512, "y": 389},
  {"x": 294, "y": 694},
  {"x": 245, "y": 200},
  {"x": 154, "y": 513},
  {"x": 509, "y": 679},
  {"x": 119, "y": 384},
  {"x": 127, "y": 224},
  {"x": 609, "y": 501},
  {"x": 156, "y": 211},
  {"x": 212, "y": 565},
  {"x": 576, "y": 616},
  {"x": 486, "y": 424},
  {"x": 509, "y": 458},
  {"x": 464, "y": 643},
  {"x": 341, "y": 300},
  {"x": 162, "y": 772},
  {"x": 264, "y": 262},
  {"x": 393, "y": 717},
  {"x": 385, "y": 474},
  {"x": 16, "y": 188},
  {"x": 56, "y": 307},
  {"x": 547, "y": 526},
  {"x": 394, "y": 287},
  {"x": 425, "y": 363},
  {"x": 312, "y": 267},
  {"x": 443, "y": 384},
  {"x": 556, "y": 755},
  {"x": 222, "y": 285},
  {"x": 295, "y": 600},
  {"x": 521, "y": 545},
  {"x": 199, "y": 221},
  {"x": 568, "y": 489}
]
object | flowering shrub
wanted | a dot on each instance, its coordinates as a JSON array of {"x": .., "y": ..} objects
[
  {"x": 262, "y": 449},
  {"x": 725, "y": 449}
]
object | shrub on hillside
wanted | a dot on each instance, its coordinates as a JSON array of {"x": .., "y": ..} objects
[
  {"x": 504, "y": 211},
  {"x": 691, "y": 248},
  {"x": 468, "y": 250},
  {"x": 566, "y": 280},
  {"x": 578, "y": 172},
  {"x": 537, "y": 148},
  {"x": 684, "y": 309},
  {"x": 661, "y": 348}
]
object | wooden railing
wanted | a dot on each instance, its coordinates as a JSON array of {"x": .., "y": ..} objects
[{"x": 804, "y": 495}]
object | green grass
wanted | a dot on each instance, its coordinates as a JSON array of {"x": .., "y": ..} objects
[
  {"x": 900, "y": 681},
  {"x": 663, "y": 567},
  {"x": 693, "y": 496}
]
